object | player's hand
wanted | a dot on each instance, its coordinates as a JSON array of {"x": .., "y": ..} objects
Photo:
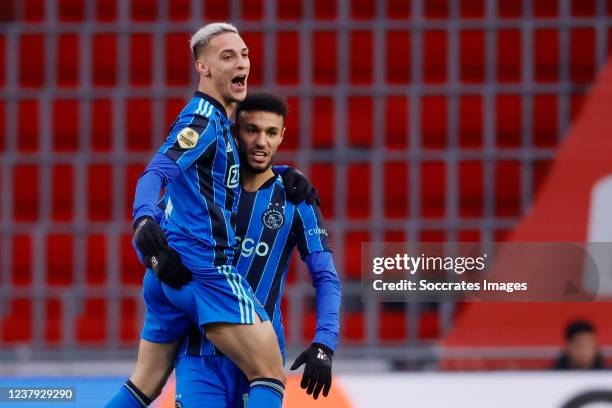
[
  {"x": 318, "y": 370},
  {"x": 298, "y": 187},
  {"x": 149, "y": 237},
  {"x": 169, "y": 268}
]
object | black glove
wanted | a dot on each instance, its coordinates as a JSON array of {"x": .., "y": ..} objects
[
  {"x": 169, "y": 268},
  {"x": 318, "y": 370},
  {"x": 298, "y": 187},
  {"x": 149, "y": 237}
]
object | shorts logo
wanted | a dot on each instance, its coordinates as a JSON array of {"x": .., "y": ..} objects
[
  {"x": 187, "y": 138},
  {"x": 273, "y": 218},
  {"x": 233, "y": 176}
]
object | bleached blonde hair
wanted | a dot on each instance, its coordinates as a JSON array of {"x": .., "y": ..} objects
[{"x": 202, "y": 37}]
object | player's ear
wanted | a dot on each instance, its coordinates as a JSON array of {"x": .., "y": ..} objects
[
  {"x": 282, "y": 133},
  {"x": 202, "y": 68}
]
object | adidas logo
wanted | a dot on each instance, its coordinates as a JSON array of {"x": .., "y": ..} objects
[
  {"x": 228, "y": 147},
  {"x": 322, "y": 355}
]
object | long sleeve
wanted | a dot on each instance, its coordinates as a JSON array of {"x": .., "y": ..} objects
[
  {"x": 327, "y": 287},
  {"x": 160, "y": 171}
]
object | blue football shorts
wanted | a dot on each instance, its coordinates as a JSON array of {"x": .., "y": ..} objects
[{"x": 218, "y": 295}]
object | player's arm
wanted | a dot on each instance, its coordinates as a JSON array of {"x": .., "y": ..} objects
[
  {"x": 188, "y": 139},
  {"x": 312, "y": 242}
]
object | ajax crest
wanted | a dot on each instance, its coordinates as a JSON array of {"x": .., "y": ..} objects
[{"x": 273, "y": 217}]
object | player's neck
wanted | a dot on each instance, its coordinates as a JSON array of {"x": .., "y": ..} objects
[
  {"x": 212, "y": 92},
  {"x": 252, "y": 181}
]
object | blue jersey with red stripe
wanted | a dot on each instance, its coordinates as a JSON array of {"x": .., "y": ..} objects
[
  {"x": 269, "y": 228},
  {"x": 202, "y": 201}
]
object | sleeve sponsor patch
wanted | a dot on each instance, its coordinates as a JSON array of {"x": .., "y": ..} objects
[{"x": 187, "y": 138}]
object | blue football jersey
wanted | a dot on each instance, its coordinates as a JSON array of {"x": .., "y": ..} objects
[
  {"x": 202, "y": 201},
  {"x": 268, "y": 229}
]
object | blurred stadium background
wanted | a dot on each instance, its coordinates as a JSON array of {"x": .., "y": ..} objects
[{"x": 417, "y": 120}]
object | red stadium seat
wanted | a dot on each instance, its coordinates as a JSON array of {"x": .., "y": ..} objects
[
  {"x": 139, "y": 126},
  {"x": 66, "y": 125},
  {"x": 429, "y": 324},
  {"x": 96, "y": 260},
  {"x": 21, "y": 268},
  {"x": 326, "y": 9},
  {"x": 141, "y": 59},
  {"x": 106, "y": 10},
  {"x": 100, "y": 199},
  {"x": 434, "y": 122},
  {"x": 399, "y": 62},
  {"x": 359, "y": 118},
  {"x": 71, "y": 10},
  {"x": 216, "y": 10},
  {"x": 130, "y": 324},
  {"x": 352, "y": 327},
  {"x": 471, "y": 119},
  {"x": 60, "y": 260},
  {"x": 509, "y": 121},
  {"x": 433, "y": 189},
  {"x": 545, "y": 120},
  {"x": 471, "y": 189},
  {"x": 396, "y": 122},
  {"x": 472, "y": 9},
  {"x": 290, "y": 10},
  {"x": 396, "y": 189},
  {"x": 31, "y": 48},
  {"x": 363, "y": 9},
  {"x": 582, "y": 55},
  {"x": 179, "y": 10},
  {"x": 131, "y": 268},
  {"x": 26, "y": 199},
  {"x": 323, "y": 115},
  {"x": 435, "y": 9},
  {"x": 62, "y": 191},
  {"x": 584, "y": 8},
  {"x": 359, "y": 186},
  {"x": 291, "y": 141},
  {"x": 91, "y": 324},
  {"x": 104, "y": 54},
  {"x": 510, "y": 8},
  {"x": 472, "y": 69},
  {"x": 545, "y": 8},
  {"x": 17, "y": 325},
  {"x": 392, "y": 325},
  {"x": 435, "y": 54},
  {"x": 507, "y": 188},
  {"x": 102, "y": 132},
  {"x": 53, "y": 321},
  {"x": 546, "y": 55},
  {"x": 143, "y": 10},
  {"x": 178, "y": 62},
  {"x": 399, "y": 9},
  {"x": 28, "y": 126},
  {"x": 252, "y": 9},
  {"x": 322, "y": 177},
  {"x": 324, "y": 58},
  {"x": 257, "y": 56},
  {"x": 288, "y": 58},
  {"x": 68, "y": 60},
  {"x": 510, "y": 60},
  {"x": 34, "y": 11},
  {"x": 352, "y": 253}
]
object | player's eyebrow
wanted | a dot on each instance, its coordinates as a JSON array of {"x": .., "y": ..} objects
[{"x": 233, "y": 50}]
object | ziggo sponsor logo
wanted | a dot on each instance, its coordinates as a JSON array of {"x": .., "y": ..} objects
[{"x": 248, "y": 247}]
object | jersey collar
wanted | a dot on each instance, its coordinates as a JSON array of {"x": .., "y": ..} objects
[
  {"x": 212, "y": 101},
  {"x": 265, "y": 185}
]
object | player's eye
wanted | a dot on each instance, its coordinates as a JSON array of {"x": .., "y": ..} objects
[{"x": 227, "y": 57}]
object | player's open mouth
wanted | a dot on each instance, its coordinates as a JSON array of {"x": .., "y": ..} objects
[
  {"x": 259, "y": 156},
  {"x": 239, "y": 81}
]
